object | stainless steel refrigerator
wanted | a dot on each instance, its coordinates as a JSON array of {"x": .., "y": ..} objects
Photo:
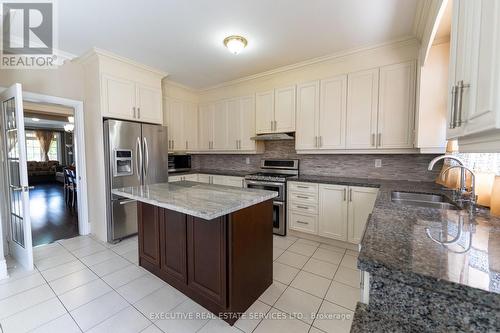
[{"x": 136, "y": 154}]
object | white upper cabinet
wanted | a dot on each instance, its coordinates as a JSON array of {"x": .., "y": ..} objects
[
  {"x": 228, "y": 126},
  {"x": 175, "y": 124},
  {"x": 333, "y": 113},
  {"x": 220, "y": 138},
  {"x": 307, "y": 116},
  {"x": 474, "y": 80},
  {"x": 275, "y": 110},
  {"x": 234, "y": 123},
  {"x": 206, "y": 126},
  {"x": 284, "y": 109},
  {"x": 128, "y": 90},
  {"x": 148, "y": 104},
  {"x": 247, "y": 123},
  {"x": 362, "y": 108},
  {"x": 396, "y": 117},
  {"x": 264, "y": 117},
  {"x": 321, "y": 114},
  {"x": 191, "y": 126},
  {"x": 352, "y": 112},
  {"x": 118, "y": 97}
]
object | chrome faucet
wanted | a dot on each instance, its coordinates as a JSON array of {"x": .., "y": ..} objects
[
  {"x": 463, "y": 168},
  {"x": 463, "y": 184},
  {"x": 456, "y": 159}
]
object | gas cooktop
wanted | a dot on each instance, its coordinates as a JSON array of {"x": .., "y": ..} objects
[{"x": 275, "y": 170}]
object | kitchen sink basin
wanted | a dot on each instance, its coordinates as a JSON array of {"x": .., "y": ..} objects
[{"x": 422, "y": 200}]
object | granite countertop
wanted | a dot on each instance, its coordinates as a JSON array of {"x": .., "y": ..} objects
[
  {"x": 206, "y": 201},
  {"x": 396, "y": 243}
]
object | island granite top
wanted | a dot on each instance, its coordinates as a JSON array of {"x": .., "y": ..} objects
[
  {"x": 396, "y": 242},
  {"x": 206, "y": 201}
]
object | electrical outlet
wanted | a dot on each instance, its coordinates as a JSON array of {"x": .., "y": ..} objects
[
  {"x": 247, "y": 160},
  {"x": 378, "y": 163}
]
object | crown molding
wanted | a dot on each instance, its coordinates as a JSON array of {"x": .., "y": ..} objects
[
  {"x": 169, "y": 82},
  {"x": 408, "y": 40},
  {"x": 103, "y": 53}
]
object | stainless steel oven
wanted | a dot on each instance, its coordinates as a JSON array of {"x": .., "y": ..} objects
[
  {"x": 273, "y": 178},
  {"x": 279, "y": 204},
  {"x": 269, "y": 186}
]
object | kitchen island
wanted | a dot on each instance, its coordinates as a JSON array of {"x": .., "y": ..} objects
[{"x": 211, "y": 242}]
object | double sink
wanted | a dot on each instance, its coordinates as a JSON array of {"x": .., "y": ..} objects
[{"x": 422, "y": 200}]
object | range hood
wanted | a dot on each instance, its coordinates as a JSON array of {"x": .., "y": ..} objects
[{"x": 273, "y": 137}]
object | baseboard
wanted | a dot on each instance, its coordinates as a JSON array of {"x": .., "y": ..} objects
[{"x": 3, "y": 269}]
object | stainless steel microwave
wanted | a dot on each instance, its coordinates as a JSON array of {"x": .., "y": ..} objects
[{"x": 177, "y": 163}]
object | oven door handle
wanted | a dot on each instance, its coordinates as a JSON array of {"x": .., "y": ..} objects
[
  {"x": 254, "y": 182},
  {"x": 278, "y": 203}
]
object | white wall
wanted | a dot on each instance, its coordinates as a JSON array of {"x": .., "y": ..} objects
[
  {"x": 433, "y": 99},
  {"x": 343, "y": 63},
  {"x": 65, "y": 81}
]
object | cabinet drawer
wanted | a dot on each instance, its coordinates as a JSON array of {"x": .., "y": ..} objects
[
  {"x": 303, "y": 222},
  {"x": 303, "y": 187},
  {"x": 303, "y": 208},
  {"x": 307, "y": 198}
]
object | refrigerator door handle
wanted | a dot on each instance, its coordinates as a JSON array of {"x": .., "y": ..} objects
[
  {"x": 146, "y": 157},
  {"x": 138, "y": 158}
]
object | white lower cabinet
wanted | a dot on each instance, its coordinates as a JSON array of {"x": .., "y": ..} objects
[
  {"x": 361, "y": 202},
  {"x": 333, "y": 211},
  {"x": 210, "y": 179},
  {"x": 303, "y": 222},
  {"x": 192, "y": 177}
]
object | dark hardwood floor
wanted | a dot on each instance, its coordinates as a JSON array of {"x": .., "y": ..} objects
[{"x": 51, "y": 217}]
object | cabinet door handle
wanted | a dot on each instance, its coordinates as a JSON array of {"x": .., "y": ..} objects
[
  {"x": 173, "y": 144},
  {"x": 379, "y": 139},
  {"x": 320, "y": 141},
  {"x": 345, "y": 194},
  {"x": 373, "y": 140},
  {"x": 302, "y": 197},
  {"x": 133, "y": 108},
  {"x": 275, "y": 125},
  {"x": 350, "y": 194},
  {"x": 302, "y": 207},
  {"x": 186, "y": 144},
  {"x": 139, "y": 113},
  {"x": 460, "y": 94},
  {"x": 302, "y": 222},
  {"x": 302, "y": 186},
  {"x": 453, "y": 106}
]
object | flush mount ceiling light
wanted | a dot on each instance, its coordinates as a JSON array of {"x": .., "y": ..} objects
[
  {"x": 235, "y": 44},
  {"x": 35, "y": 119}
]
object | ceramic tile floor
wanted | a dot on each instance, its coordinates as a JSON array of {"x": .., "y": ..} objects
[{"x": 80, "y": 284}]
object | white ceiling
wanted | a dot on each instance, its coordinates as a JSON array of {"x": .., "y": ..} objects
[{"x": 184, "y": 37}]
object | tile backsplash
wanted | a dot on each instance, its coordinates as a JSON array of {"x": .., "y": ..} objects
[{"x": 401, "y": 166}]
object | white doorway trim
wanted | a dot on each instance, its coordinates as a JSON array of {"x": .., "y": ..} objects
[{"x": 83, "y": 221}]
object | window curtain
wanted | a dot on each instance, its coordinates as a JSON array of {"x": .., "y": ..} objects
[{"x": 45, "y": 138}]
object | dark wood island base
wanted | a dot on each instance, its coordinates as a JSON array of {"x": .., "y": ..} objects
[{"x": 223, "y": 264}]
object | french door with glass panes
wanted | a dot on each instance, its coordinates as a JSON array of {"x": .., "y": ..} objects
[{"x": 15, "y": 208}]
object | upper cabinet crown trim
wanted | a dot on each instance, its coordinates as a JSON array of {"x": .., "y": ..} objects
[{"x": 97, "y": 52}]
